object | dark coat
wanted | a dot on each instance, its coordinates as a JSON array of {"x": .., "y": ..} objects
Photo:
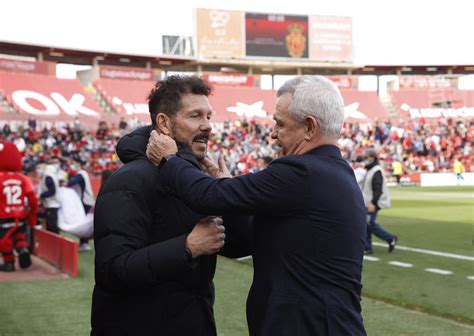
[
  {"x": 144, "y": 282},
  {"x": 309, "y": 231}
]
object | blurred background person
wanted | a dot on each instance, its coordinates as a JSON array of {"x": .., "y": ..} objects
[
  {"x": 459, "y": 169},
  {"x": 18, "y": 208},
  {"x": 81, "y": 183},
  {"x": 262, "y": 163},
  {"x": 376, "y": 197},
  {"x": 397, "y": 169},
  {"x": 47, "y": 191}
]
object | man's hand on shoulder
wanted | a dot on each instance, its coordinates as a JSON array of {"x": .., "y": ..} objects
[{"x": 159, "y": 146}]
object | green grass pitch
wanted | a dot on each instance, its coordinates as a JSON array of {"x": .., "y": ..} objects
[{"x": 396, "y": 300}]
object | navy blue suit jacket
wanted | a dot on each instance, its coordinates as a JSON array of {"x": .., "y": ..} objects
[{"x": 309, "y": 229}]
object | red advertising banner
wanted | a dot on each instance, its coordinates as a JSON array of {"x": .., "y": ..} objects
[
  {"x": 331, "y": 38},
  {"x": 25, "y": 66},
  {"x": 276, "y": 35},
  {"x": 229, "y": 79},
  {"x": 422, "y": 82},
  {"x": 126, "y": 73}
]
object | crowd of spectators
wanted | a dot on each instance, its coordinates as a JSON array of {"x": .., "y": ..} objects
[
  {"x": 94, "y": 150},
  {"x": 420, "y": 146}
]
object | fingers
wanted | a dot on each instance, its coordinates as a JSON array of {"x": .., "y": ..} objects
[
  {"x": 223, "y": 167},
  {"x": 218, "y": 220},
  {"x": 159, "y": 145},
  {"x": 221, "y": 163},
  {"x": 208, "y": 163}
]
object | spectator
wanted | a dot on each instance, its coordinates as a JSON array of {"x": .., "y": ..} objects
[
  {"x": 263, "y": 163},
  {"x": 80, "y": 182},
  {"x": 47, "y": 191}
]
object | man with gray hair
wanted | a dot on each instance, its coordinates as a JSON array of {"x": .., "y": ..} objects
[{"x": 309, "y": 224}]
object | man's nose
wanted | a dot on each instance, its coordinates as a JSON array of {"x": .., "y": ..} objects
[
  {"x": 206, "y": 126},
  {"x": 274, "y": 134}
]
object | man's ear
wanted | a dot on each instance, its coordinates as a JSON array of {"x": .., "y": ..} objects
[
  {"x": 163, "y": 124},
  {"x": 311, "y": 127}
]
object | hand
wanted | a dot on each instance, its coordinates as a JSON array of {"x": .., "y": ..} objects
[
  {"x": 213, "y": 168},
  {"x": 159, "y": 146},
  {"x": 371, "y": 207},
  {"x": 207, "y": 237}
]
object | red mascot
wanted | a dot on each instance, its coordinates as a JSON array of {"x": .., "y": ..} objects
[{"x": 18, "y": 204}]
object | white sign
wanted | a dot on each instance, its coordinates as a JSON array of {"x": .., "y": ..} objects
[
  {"x": 249, "y": 110},
  {"x": 461, "y": 112},
  {"x": 52, "y": 106},
  {"x": 447, "y": 180}
]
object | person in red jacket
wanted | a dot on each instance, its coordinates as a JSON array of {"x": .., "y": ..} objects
[{"x": 18, "y": 204}]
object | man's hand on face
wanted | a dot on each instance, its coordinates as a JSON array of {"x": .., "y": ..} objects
[
  {"x": 213, "y": 168},
  {"x": 207, "y": 237},
  {"x": 159, "y": 146}
]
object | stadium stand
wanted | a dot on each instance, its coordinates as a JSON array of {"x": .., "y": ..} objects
[
  {"x": 127, "y": 97},
  {"x": 49, "y": 99},
  {"x": 232, "y": 103},
  {"x": 363, "y": 106},
  {"x": 434, "y": 103}
]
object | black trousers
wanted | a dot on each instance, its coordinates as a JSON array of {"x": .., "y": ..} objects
[{"x": 52, "y": 220}]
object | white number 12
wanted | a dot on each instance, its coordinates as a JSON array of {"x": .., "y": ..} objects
[{"x": 13, "y": 194}]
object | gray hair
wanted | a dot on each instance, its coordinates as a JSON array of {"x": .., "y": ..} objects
[{"x": 316, "y": 96}]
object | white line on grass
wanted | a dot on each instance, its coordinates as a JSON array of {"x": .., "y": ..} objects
[
  {"x": 471, "y": 277},
  {"x": 400, "y": 264},
  {"x": 436, "y": 253},
  {"x": 369, "y": 258},
  {"x": 438, "y": 271}
]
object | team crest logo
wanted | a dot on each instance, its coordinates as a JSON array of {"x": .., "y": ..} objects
[{"x": 295, "y": 40}]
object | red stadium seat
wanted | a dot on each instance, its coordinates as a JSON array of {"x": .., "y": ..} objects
[
  {"x": 127, "y": 97},
  {"x": 232, "y": 103},
  {"x": 434, "y": 103},
  {"x": 48, "y": 99}
]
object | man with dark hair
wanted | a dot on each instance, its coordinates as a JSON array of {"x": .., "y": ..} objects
[
  {"x": 263, "y": 162},
  {"x": 155, "y": 257},
  {"x": 309, "y": 225},
  {"x": 376, "y": 197}
]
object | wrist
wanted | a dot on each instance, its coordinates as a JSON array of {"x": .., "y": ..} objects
[
  {"x": 189, "y": 251},
  {"x": 165, "y": 159}
]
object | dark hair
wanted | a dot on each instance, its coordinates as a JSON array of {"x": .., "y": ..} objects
[
  {"x": 267, "y": 159},
  {"x": 166, "y": 95},
  {"x": 359, "y": 158},
  {"x": 371, "y": 152}
]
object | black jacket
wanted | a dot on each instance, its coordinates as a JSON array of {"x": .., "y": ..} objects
[
  {"x": 144, "y": 282},
  {"x": 309, "y": 231},
  {"x": 377, "y": 183}
]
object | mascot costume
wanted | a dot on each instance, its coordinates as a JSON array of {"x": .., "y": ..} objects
[{"x": 18, "y": 208}]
